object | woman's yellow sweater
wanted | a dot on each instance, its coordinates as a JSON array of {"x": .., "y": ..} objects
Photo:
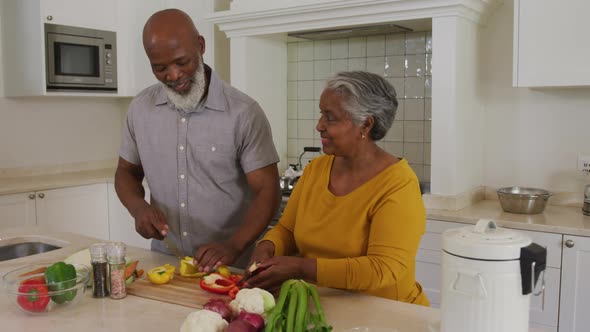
[{"x": 365, "y": 240}]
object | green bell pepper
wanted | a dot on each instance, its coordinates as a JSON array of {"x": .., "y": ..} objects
[{"x": 61, "y": 276}]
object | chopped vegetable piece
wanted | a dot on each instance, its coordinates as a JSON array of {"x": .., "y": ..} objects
[
  {"x": 224, "y": 271},
  {"x": 216, "y": 283},
  {"x": 130, "y": 269},
  {"x": 232, "y": 292},
  {"x": 189, "y": 269},
  {"x": 161, "y": 274}
]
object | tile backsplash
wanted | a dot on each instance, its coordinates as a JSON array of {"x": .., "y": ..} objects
[{"x": 404, "y": 59}]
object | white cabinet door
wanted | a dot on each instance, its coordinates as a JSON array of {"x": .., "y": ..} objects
[
  {"x": 17, "y": 210},
  {"x": 574, "y": 304},
  {"x": 551, "y": 46},
  {"x": 81, "y": 13},
  {"x": 121, "y": 224},
  {"x": 82, "y": 210}
]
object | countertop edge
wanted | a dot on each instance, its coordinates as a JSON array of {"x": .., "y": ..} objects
[
  {"x": 565, "y": 220},
  {"x": 555, "y": 219},
  {"x": 46, "y": 182}
]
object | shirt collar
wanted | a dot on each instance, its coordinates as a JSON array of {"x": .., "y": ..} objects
[{"x": 214, "y": 99}]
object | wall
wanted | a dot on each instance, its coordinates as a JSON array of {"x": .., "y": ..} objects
[
  {"x": 55, "y": 131},
  {"x": 52, "y": 131},
  {"x": 403, "y": 58},
  {"x": 532, "y": 137}
]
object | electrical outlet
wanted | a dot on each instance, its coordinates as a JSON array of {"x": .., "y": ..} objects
[{"x": 584, "y": 166}]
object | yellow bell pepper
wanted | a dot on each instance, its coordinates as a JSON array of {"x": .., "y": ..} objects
[
  {"x": 188, "y": 269},
  {"x": 161, "y": 274},
  {"x": 224, "y": 271}
]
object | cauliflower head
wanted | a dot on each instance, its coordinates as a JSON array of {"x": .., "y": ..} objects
[
  {"x": 203, "y": 321},
  {"x": 253, "y": 300}
]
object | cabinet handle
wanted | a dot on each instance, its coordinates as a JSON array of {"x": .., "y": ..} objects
[
  {"x": 569, "y": 243},
  {"x": 31, "y": 196},
  {"x": 49, "y": 17},
  {"x": 41, "y": 195}
]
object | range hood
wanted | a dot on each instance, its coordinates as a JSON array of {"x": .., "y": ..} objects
[{"x": 357, "y": 31}]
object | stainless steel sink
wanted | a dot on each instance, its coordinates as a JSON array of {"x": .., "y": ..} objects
[{"x": 18, "y": 250}]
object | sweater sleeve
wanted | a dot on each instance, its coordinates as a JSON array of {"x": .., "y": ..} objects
[{"x": 397, "y": 224}]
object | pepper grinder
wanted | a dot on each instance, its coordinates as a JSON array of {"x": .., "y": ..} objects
[{"x": 586, "y": 207}]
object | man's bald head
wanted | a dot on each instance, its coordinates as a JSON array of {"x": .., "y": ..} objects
[{"x": 171, "y": 27}]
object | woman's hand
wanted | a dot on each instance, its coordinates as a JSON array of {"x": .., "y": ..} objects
[
  {"x": 280, "y": 268},
  {"x": 263, "y": 251}
]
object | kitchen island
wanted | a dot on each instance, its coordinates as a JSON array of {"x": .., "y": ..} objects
[{"x": 344, "y": 310}]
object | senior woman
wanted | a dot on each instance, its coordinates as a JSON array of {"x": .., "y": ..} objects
[{"x": 356, "y": 215}]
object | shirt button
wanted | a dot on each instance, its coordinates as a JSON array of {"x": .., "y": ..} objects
[
  {"x": 184, "y": 233},
  {"x": 182, "y": 176},
  {"x": 181, "y": 148},
  {"x": 182, "y": 205},
  {"x": 183, "y": 119},
  {"x": 213, "y": 148}
]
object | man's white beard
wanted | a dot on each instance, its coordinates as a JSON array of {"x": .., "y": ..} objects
[{"x": 193, "y": 97}]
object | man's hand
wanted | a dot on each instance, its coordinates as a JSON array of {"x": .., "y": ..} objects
[
  {"x": 150, "y": 222},
  {"x": 212, "y": 255}
]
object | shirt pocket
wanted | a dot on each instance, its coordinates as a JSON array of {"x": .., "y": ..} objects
[{"x": 219, "y": 162}]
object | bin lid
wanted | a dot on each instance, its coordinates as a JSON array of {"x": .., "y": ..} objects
[{"x": 484, "y": 241}]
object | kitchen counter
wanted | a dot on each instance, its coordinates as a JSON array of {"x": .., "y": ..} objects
[
  {"x": 554, "y": 219},
  {"x": 343, "y": 309}
]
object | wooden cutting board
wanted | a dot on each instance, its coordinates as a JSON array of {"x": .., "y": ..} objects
[{"x": 180, "y": 290}]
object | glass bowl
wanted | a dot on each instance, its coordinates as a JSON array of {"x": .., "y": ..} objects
[{"x": 40, "y": 297}]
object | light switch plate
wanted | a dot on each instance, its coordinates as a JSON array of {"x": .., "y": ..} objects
[{"x": 583, "y": 166}]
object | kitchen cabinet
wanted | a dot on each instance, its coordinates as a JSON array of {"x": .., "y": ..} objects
[
  {"x": 122, "y": 225},
  {"x": 23, "y": 41},
  {"x": 82, "y": 210},
  {"x": 551, "y": 48},
  {"x": 544, "y": 310},
  {"x": 81, "y": 13},
  {"x": 23, "y": 38},
  {"x": 575, "y": 287},
  {"x": 17, "y": 210}
]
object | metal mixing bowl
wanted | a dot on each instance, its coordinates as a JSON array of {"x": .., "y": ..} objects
[{"x": 523, "y": 200}]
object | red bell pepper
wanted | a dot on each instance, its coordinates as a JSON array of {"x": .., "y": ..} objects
[
  {"x": 235, "y": 278},
  {"x": 216, "y": 283},
  {"x": 36, "y": 298},
  {"x": 232, "y": 292}
]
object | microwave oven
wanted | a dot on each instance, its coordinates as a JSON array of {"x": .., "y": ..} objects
[{"x": 80, "y": 59}]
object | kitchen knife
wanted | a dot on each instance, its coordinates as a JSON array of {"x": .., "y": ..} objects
[
  {"x": 252, "y": 274},
  {"x": 172, "y": 248}
]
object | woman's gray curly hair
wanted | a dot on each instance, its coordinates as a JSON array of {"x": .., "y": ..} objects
[{"x": 366, "y": 94}]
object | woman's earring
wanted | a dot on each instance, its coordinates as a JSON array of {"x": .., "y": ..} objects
[{"x": 363, "y": 136}]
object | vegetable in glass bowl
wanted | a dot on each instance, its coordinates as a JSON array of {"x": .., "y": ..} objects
[{"x": 41, "y": 288}]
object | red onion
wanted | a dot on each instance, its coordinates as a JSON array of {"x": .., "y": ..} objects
[
  {"x": 239, "y": 325},
  {"x": 254, "y": 319},
  {"x": 219, "y": 306}
]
